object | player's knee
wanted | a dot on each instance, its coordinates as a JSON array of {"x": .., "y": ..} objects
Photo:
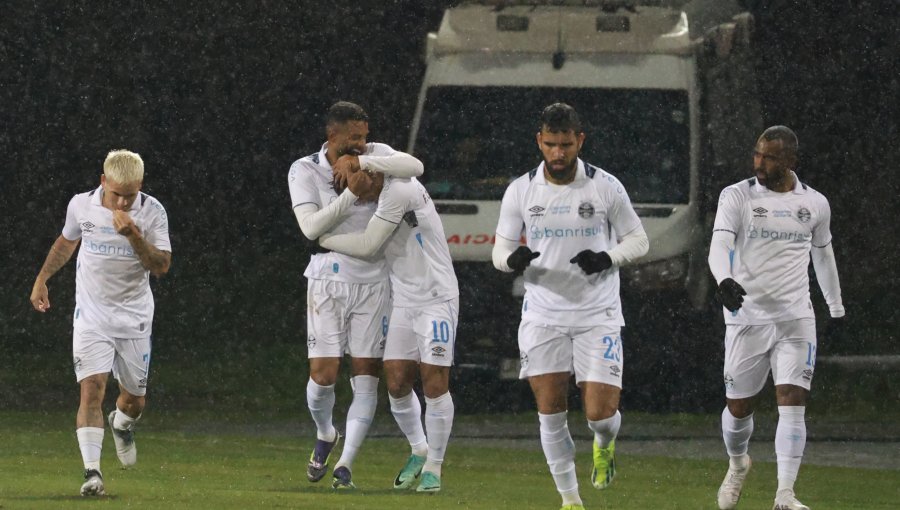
[{"x": 740, "y": 408}]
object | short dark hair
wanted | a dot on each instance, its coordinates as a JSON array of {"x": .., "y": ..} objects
[
  {"x": 345, "y": 111},
  {"x": 559, "y": 118},
  {"x": 786, "y": 135}
]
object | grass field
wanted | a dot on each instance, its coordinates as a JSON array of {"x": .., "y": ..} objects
[{"x": 263, "y": 466}]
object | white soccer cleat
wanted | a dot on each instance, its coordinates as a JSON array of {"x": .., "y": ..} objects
[
  {"x": 730, "y": 490},
  {"x": 93, "y": 483},
  {"x": 124, "y": 439},
  {"x": 785, "y": 500}
]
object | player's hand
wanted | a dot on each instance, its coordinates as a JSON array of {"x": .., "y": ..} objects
[
  {"x": 835, "y": 328},
  {"x": 365, "y": 186},
  {"x": 124, "y": 225},
  {"x": 731, "y": 294},
  {"x": 40, "y": 297},
  {"x": 592, "y": 262},
  {"x": 342, "y": 169},
  {"x": 521, "y": 258}
]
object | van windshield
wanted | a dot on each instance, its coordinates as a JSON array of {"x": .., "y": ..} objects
[{"x": 475, "y": 140}]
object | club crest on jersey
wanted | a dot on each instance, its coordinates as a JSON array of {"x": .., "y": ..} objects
[
  {"x": 586, "y": 210},
  {"x": 803, "y": 215}
]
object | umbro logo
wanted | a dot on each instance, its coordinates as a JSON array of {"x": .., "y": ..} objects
[
  {"x": 87, "y": 227},
  {"x": 760, "y": 212},
  {"x": 536, "y": 209}
]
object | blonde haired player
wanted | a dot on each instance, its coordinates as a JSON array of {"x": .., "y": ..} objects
[{"x": 124, "y": 237}]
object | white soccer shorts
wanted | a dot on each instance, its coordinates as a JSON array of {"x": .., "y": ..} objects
[
  {"x": 426, "y": 334},
  {"x": 128, "y": 358},
  {"x": 787, "y": 348},
  {"x": 592, "y": 353},
  {"x": 349, "y": 318}
]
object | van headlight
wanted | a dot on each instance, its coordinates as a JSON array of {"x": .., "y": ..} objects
[{"x": 659, "y": 273}]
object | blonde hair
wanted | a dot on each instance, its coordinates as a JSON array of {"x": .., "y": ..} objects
[{"x": 123, "y": 167}]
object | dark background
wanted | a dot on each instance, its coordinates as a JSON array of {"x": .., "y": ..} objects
[{"x": 219, "y": 100}]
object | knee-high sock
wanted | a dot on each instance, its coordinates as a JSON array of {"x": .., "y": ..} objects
[
  {"x": 790, "y": 440},
  {"x": 359, "y": 416},
  {"x": 407, "y": 412},
  {"x": 90, "y": 441},
  {"x": 124, "y": 422},
  {"x": 438, "y": 422},
  {"x": 736, "y": 432},
  {"x": 320, "y": 400},
  {"x": 559, "y": 449},
  {"x": 606, "y": 430}
]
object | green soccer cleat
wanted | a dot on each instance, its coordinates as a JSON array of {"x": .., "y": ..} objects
[
  {"x": 407, "y": 477},
  {"x": 604, "y": 469},
  {"x": 430, "y": 482}
]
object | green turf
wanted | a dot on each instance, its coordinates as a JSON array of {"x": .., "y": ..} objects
[{"x": 189, "y": 467}]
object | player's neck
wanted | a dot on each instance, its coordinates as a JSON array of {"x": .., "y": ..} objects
[{"x": 782, "y": 185}]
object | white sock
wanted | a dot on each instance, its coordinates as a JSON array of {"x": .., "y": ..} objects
[
  {"x": 320, "y": 400},
  {"x": 559, "y": 449},
  {"x": 736, "y": 432},
  {"x": 407, "y": 412},
  {"x": 438, "y": 422},
  {"x": 790, "y": 440},
  {"x": 90, "y": 441},
  {"x": 124, "y": 422},
  {"x": 359, "y": 416},
  {"x": 606, "y": 430}
]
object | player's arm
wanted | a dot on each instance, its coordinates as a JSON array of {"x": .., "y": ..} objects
[
  {"x": 60, "y": 253},
  {"x": 721, "y": 249},
  {"x": 631, "y": 246},
  {"x": 822, "y": 254},
  {"x": 508, "y": 254},
  {"x": 360, "y": 244},
  {"x": 398, "y": 164},
  {"x": 152, "y": 258},
  {"x": 314, "y": 221}
]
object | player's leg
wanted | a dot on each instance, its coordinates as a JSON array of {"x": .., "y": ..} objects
[
  {"x": 131, "y": 368},
  {"x": 93, "y": 355},
  {"x": 793, "y": 363},
  {"x": 546, "y": 361},
  {"x": 599, "y": 364},
  {"x": 436, "y": 350},
  {"x": 369, "y": 312},
  {"x": 745, "y": 371},
  {"x": 326, "y": 342},
  {"x": 401, "y": 366}
]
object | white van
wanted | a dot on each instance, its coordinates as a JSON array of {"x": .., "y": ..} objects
[{"x": 632, "y": 73}]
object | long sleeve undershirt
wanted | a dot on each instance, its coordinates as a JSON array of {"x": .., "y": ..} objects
[
  {"x": 360, "y": 244},
  {"x": 720, "y": 250},
  {"x": 398, "y": 164},
  {"x": 827, "y": 276}
]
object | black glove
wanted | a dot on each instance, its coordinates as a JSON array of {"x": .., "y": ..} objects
[
  {"x": 592, "y": 262},
  {"x": 521, "y": 258},
  {"x": 834, "y": 329},
  {"x": 730, "y": 294}
]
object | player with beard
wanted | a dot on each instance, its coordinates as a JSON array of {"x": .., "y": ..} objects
[
  {"x": 766, "y": 230},
  {"x": 579, "y": 227},
  {"x": 348, "y": 298}
]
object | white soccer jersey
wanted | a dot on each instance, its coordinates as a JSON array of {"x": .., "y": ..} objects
[
  {"x": 416, "y": 252},
  {"x": 112, "y": 288},
  {"x": 559, "y": 222},
  {"x": 773, "y": 233},
  {"x": 309, "y": 181}
]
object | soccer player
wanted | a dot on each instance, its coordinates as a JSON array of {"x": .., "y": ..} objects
[
  {"x": 348, "y": 298},
  {"x": 422, "y": 331},
  {"x": 766, "y": 228},
  {"x": 124, "y": 236},
  {"x": 579, "y": 227}
]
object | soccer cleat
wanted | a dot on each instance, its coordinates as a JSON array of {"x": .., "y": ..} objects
[
  {"x": 341, "y": 478},
  {"x": 572, "y": 507},
  {"x": 785, "y": 500},
  {"x": 407, "y": 477},
  {"x": 604, "y": 469},
  {"x": 430, "y": 482},
  {"x": 93, "y": 483},
  {"x": 124, "y": 439},
  {"x": 730, "y": 490},
  {"x": 318, "y": 459}
]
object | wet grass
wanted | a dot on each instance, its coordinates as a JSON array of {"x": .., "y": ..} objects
[{"x": 189, "y": 467}]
